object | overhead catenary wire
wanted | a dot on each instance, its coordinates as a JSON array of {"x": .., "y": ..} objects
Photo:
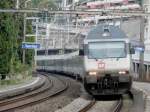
[{"x": 101, "y": 12}]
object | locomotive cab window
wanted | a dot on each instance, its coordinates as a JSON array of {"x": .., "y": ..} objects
[{"x": 102, "y": 50}]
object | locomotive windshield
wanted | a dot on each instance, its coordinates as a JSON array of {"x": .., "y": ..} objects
[{"x": 102, "y": 50}]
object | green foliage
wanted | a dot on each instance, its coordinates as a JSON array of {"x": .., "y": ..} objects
[
  {"x": 35, "y": 2},
  {"x": 140, "y": 1},
  {"x": 11, "y": 33},
  {"x": 7, "y": 4},
  {"x": 30, "y": 52},
  {"x": 44, "y": 4},
  {"x": 9, "y": 82},
  {"x": 8, "y": 40}
]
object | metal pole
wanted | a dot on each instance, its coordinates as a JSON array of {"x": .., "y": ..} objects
[
  {"x": 17, "y": 4},
  {"x": 24, "y": 32},
  {"x": 24, "y": 37},
  {"x": 68, "y": 30},
  {"x": 36, "y": 39},
  {"x": 141, "y": 65},
  {"x": 64, "y": 4}
]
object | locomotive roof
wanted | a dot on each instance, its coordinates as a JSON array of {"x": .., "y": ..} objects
[{"x": 106, "y": 32}]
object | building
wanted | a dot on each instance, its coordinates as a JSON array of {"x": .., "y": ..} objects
[
  {"x": 146, "y": 7},
  {"x": 114, "y": 4},
  {"x": 65, "y": 3}
]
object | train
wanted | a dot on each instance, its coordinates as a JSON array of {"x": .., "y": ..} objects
[{"x": 103, "y": 62}]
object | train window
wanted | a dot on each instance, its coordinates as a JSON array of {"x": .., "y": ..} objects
[
  {"x": 145, "y": 68},
  {"x": 85, "y": 49},
  {"x": 102, "y": 50},
  {"x": 81, "y": 52},
  {"x": 149, "y": 69},
  {"x": 134, "y": 67},
  {"x": 138, "y": 67}
]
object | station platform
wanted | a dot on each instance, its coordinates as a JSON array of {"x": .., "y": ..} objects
[
  {"x": 145, "y": 88},
  {"x": 146, "y": 57},
  {"x": 22, "y": 88},
  {"x": 136, "y": 64}
]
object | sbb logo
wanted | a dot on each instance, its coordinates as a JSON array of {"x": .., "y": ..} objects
[{"x": 101, "y": 65}]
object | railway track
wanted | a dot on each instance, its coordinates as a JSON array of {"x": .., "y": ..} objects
[
  {"x": 115, "y": 108},
  {"x": 118, "y": 106},
  {"x": 50, "y": 89},
  {"x": 87, "y": 107}
]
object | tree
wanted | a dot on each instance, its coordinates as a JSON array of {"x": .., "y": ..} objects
[
  {"x": 44, "y": 4},
  {"x": 11, "y": 33},
  {"x": 140, "y": 1},
  {"x": 8, "y": 41}
]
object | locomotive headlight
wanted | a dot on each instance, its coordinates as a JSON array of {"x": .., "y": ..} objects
[
  {"x": 92, "y": 73},
  {"x": 123, "y": 72}
]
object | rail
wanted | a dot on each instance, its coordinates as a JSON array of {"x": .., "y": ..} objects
[
  {"x": 87, "y": 107},
  {"x": 33, "y": 98},
  {"x": 118, "y": 105}
]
